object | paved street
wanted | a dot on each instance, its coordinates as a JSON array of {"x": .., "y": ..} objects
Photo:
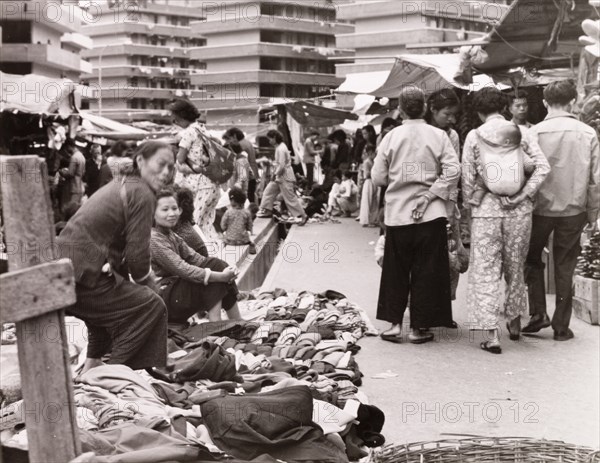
[{"x": 537, "y": 387}]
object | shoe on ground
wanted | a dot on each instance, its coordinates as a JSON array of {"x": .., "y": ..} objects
[
  {"x": 564, "y": 336},
  {"x": 252, "y": 248},
  {"x": 264, "y": 214},
  {"x": 537, "y": 323},
  {"x": 420, "y": 338}
]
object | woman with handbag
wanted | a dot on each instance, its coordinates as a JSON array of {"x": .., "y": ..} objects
[
  {"x": 501, "y": 218},
  {"x": 108, "y": 240},
  {"x": 192, "y": 161}
]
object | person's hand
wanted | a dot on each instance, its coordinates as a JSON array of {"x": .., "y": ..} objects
[
  {"x": 420, "y": 207},
  {"x": 150, "y": 282},
  {"x": 511, "y": 202},
  {"x": 230, "y": 274},
  {"x": 591, "y": 227}
]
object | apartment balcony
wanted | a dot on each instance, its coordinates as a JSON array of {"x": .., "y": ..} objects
[
  {"x": 43, "y": 54},
  {"x": 478, "y": 11},
  {"x": 53, "y": 14},
  {"x": 141, "y": 28},
  {"x": 131, "y": 49},
  {"x": 396, "y": 38},
  {"x": 274, "y": 50},
  {"x": 131, "y": 70},
  {"x": 77, "y": 40},
  {"x": 275, "y": 23},
  {"x": 127, "y": 93},
  {"x": 264, "y": 77},
  {"x": 361, "y": 10}
]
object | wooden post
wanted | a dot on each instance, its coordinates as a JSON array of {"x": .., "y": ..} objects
[{"x": 36, "y": 299}]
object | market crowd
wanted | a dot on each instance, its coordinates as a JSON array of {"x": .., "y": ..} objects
[{"x": 152, "y": 213}]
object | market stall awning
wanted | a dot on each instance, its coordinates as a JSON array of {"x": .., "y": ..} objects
[
  {"x": 36, "y": 94},
  {"x": 313, "y": 115},
  {"x": 429, "y": 72}
]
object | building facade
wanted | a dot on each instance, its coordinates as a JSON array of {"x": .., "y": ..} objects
[
  {"x": 385, "y": 29},
  {"x": 260, "y": 50},
  {"x": 43, "y": 37},
  {"x": 142, "y": 55}
]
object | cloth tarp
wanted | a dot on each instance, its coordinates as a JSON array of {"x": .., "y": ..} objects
[
  {"x": 429, "y": 72},
  {"x": 36, "y": 94}
]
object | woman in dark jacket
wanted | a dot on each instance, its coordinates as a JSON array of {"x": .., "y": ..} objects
[{"x": 108, "y": 240}]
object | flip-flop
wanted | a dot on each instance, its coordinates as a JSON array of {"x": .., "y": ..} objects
[
  {"x": 396, "y": 338},
  {"x": 512, "y": 336},
  {"x": 491, "y": 349}
]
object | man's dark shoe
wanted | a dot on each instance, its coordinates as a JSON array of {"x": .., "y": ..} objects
[
  {"x": 537, "y": 323},
  {"x": 564, "y": 335},
  {"x": 420, "y": 338}
]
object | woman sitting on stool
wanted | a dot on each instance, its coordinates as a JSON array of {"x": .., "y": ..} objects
[{"x": 188, "y": 282}]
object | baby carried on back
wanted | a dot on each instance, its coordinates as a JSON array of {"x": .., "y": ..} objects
[{"x": 502, "y": 163}]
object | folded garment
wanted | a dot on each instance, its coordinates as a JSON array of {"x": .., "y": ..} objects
[
  {"x": 308, "y": 339},
  {"x": 200, "y": 397},
  {"x": 175, "y": 395},
  {"x": 311, "y": 317},
  {"x": 261, "y": 334},
  {"x": 288, "y": 335},
  {"x": 306, "y": 301},
  {"x": 209, "y": 361},
  {"x": 334, "y": 358},
  {"x": 300, "y": 314},
  {"x": 279, "y": 302},
  {"x": 235, "y": 329}
]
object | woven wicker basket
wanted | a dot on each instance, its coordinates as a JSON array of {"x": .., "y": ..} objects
[{"x": 487, "y": 450}]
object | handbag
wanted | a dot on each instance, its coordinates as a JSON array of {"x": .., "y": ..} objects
[{"x": 221, "y": 163}]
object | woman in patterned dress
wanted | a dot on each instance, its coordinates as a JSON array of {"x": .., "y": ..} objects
[
  {"x": 500, "y": 228},
  {"x": 191, "y": 159}
]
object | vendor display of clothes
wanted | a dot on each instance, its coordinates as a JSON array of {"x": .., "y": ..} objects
[{"x": 281, "y": 385}]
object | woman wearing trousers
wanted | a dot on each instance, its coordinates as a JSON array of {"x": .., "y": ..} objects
[
  {"x": 108, "y": 240},
  {"x": 420, "y": 168}
]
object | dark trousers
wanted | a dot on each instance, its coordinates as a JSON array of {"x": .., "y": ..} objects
[
  {"x": 128, "y": 321},
  {"x": 310, "y": 175},
  {"x": 566, "y": 248},
  {"x": 252, "y": 190},
  {"x": 415, "y": 263}
]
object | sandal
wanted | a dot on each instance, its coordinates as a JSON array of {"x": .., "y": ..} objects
[
  {"x": 422, "y": 338},
  {"x": 395, "y": 338},
  {"x": 492, "y": 349}
]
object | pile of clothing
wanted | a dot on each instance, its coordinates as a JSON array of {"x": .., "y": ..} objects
[{"x": 282, "y": 385}]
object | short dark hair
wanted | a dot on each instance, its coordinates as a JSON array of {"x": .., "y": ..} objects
[
  {"x": 444, "y": 98},
  {"x": 276, "y": 134},
  {"x": 235, "y": 147},
  {"x": 337, "y": 174},
  {"x": 185, "y": 199},
  {"x": 561, "y": 92},
  {"x": 346, "y": 174},
  {"x": 517, "y": 94},
  {"x": 412, "y": 102},
  {"x": 119, "y": 148},
  {"x": 236, "y": 133},
  {"x": 237, "y": 195},
  {"x": 489, "y": 100},
  {"x": 185, "y": 110},
  {"x": 389, "y": 122},
  {"x": 166, "y": 193}
]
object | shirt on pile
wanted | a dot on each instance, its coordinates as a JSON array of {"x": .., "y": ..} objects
[
  {"x": 237, "y": 223},
  {"x": 573, "y": 185},
  {"x": 414, "y": 159}
]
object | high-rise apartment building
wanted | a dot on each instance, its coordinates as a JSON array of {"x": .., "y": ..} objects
[
  {"x": 259, "y": 50},
  {"x": 143, "y": 55},
  {"x": 387, "y": 28},
  {"x": 43, "y": 37}
]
